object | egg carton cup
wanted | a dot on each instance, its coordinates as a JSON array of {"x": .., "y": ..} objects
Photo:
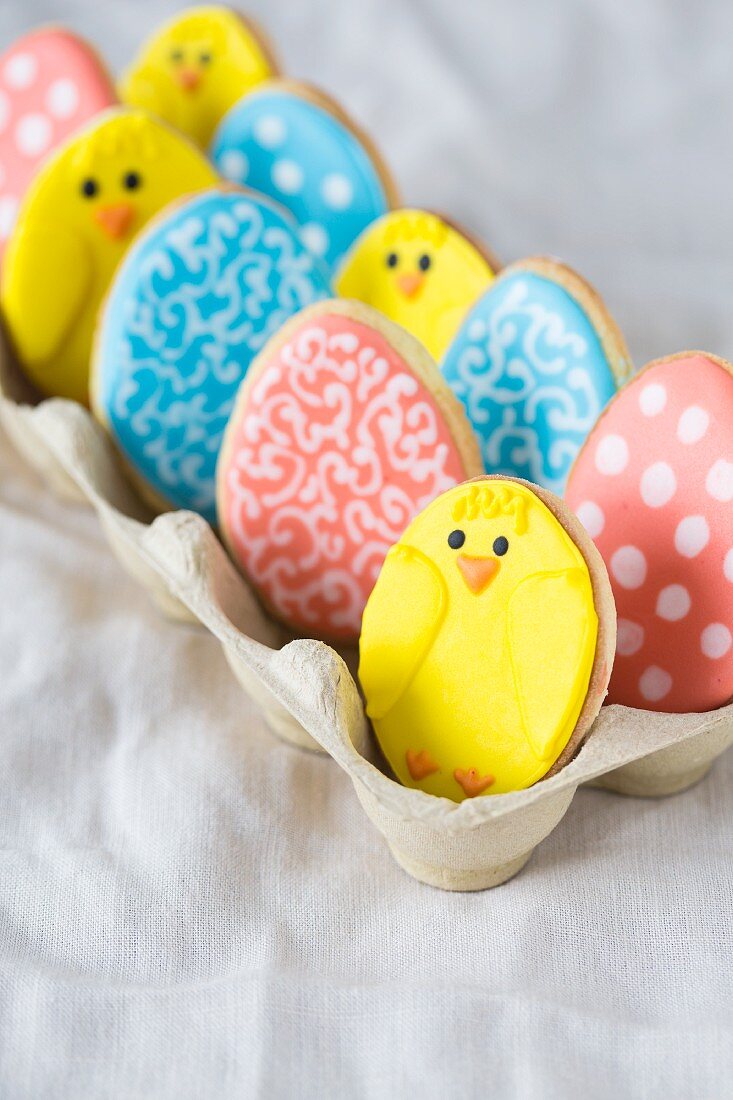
[{"x": 308, "y": 694}]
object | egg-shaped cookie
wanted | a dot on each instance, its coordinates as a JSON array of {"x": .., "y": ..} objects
[
  {"x": 51, "y": 83},
  {"x": 654, "y": 487},
  {"x": 196, "y": 299},
  {"x": 420, "y": 270},
  {"x": 487, "y": 642},
  {"x": 195, "y": 66},
  {"x": 75, "y": 224},
  {"x": 342, "y": 431},
  {"x": 534, "y": 363},
  {"x": 295, "y": 144}
]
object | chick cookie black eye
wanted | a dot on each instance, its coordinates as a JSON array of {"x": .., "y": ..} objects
[
  {"x": 176, "y": 55},
  {"x": 456, "y": 539},
  {"x": 392, "y": 258},
  {"x": 424, "y": 262},
  {"x": 89, "y": 188},
  {"x": 131, "y": 180},
  {"x": 501, "y": 545},
  {"x": 205, "y": 58}
]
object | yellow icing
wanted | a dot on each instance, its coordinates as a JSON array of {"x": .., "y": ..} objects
[
  {"x": 66, "y": 245},
  {"x": 432, "y": 303},
  {"x": 484, "y": 678},
  {"x": 194, "y": 68}
]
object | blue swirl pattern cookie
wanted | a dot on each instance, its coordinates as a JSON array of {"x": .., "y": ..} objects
[
  {"x": 534, "y": 363},
  {"x": 295, "y": 145},
  {"x": 195, "y": 300}
]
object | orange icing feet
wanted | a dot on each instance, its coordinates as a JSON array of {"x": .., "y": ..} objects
[
  {"x": 420, "y": 764},
  {"x": 472, "y": 782}
]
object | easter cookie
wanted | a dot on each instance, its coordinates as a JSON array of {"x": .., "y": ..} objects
[
  {"x": 534, "y": 363},
  {"x": 197, "y": 297},
  {"x": 343, "y": 430},
  {"x": 74, "y": 226},
  {"x": 421, "y": 271},
  {"x": 487, "y": 642},
  {"x": 196, "y": 66},
  {"x": 293, "y": 143},
  {"x": 51, "y": 82},
  {"x": 654, "y": 487}
]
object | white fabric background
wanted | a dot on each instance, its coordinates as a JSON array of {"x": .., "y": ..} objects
[{"x": 189, "y": 908}]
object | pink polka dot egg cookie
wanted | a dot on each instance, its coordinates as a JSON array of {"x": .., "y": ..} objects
[
  {"x": 343, "y": 431},
  {"x": 653, "y": 486},
  {"x": 51, "y": 82}
]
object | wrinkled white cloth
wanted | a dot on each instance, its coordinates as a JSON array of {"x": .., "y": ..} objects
[{"x": 189, "y": 908}]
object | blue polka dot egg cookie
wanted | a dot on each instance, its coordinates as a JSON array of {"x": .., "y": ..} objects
[
  {"x": 535, "y": 362},
  {"x": 294, "y": 144},
  {"x": 196, "y": 299}
]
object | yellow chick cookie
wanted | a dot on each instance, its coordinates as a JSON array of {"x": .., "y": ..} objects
[
  {"x": 75, "y": 223},
  {"x": 197, "y": 66},
  {"x": 487, "y": 642},
  {"x": 419, "y": 270}
]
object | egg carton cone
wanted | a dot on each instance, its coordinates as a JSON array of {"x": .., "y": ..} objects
[{"x": 307, "y": 691}]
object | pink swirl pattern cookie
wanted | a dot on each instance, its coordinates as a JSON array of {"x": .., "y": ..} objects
[
  {"x": 342, "y": 432},
  {"x": 653, "y": 486},
  {"x": 51, "y": 83}
]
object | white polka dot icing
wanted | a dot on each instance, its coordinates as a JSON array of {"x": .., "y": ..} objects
[
  {"x": 62, "y": 98},
  {"x": 654, "y": 684},
  {"x": 337, "y": 191},
  {"x": 51, "y": 83},
  {"x": 667, "y": 533},
  {"x": 719, "y": 482},
  {"x": 692, "y": 424},
  {"x": 302, "y": 154},
  {"x": 629, "y": 637},
  {"x": 628, "y": 566},
  {"x": 715, "y": 641},
  {"x": 591, "y": 516},
  {"x": 287, "y": 175},
  {"x": 658, "y": 484},
  {"x": 612, "y": 455},
  {"x": 652, "y": 399},
  {"x": 234, "y": 166},
  {"x": 673, "y": 602},
  {"x": 315, "y": 238},
  {"x": 691, "y": 536},
  {"x": 20, "y": 70},
  {"x": 33, "y": 135},
  {"x": 269, "y": 131}
]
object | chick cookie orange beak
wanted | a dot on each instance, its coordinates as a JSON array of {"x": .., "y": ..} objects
[
  {"x": 189, "y": 79},
  {"x": 410, "y": 283},
  {"x": 115, "y": 219},
  {"x": 478, "y": 573}
]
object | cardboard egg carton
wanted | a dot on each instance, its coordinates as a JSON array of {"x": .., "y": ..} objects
[{"x": 307, "y": 691}]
